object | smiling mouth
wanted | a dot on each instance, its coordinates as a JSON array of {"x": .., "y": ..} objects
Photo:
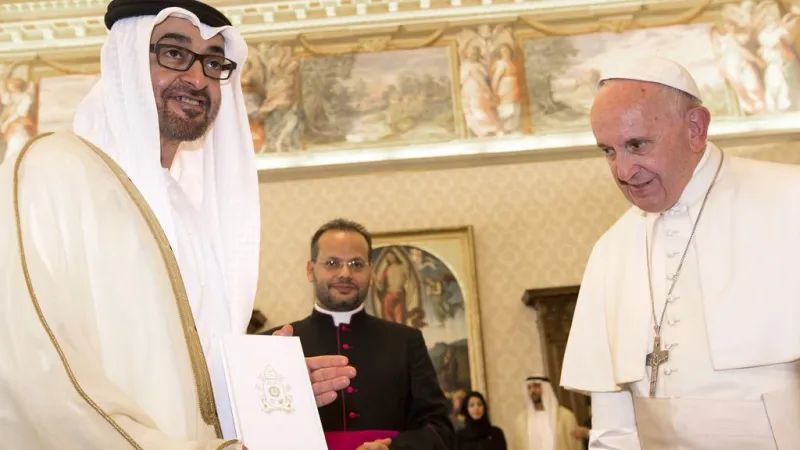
[
  {"x": 639, "y": 185},
  {"x": 344, "y": 288},
  {"x": 189, "y": 101}
]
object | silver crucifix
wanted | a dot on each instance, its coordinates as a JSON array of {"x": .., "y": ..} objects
[{"x": 654, "y": 360}]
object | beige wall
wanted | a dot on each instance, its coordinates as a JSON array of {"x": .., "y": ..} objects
[{"x": 534, "y": 226}]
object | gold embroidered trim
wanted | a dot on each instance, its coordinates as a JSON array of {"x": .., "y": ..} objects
[
  {"x": 197, "y": 358},
  {"x": 227, "y": 443},
  {"x": 37, "y": 307}
]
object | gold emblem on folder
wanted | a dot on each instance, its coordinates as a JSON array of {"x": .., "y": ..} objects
[{"x": 275, "y": 393}]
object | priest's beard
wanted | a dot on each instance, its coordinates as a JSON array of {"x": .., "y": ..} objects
[
  {"x": 175, "y": 128},
  {"x": 324, "y": 293}
]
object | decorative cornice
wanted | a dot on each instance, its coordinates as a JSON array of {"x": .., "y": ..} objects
[{"x": 69, "y": 28}]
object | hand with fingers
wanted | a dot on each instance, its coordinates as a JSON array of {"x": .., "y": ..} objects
[
  {"x": 329, "y": 373},
  {"x": 380, "y": 444}
]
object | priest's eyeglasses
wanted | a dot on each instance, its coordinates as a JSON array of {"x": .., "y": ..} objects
[
  {"x": 180, "y": 59},
  {"x": 336, "y": 264}
]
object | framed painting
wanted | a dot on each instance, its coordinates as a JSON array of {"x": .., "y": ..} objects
[
  {"x": 299, "y": 101},
  {"x": 746, "y": 65},
  {"x": 426, "y": 279}
]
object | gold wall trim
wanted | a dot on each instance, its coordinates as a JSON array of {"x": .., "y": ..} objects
[
  {"x": 200, "y": 372},
  {"x": 618, "y": 24},
  {"x": 376, "y": 44},
  {"x": 35, "y": 28}
]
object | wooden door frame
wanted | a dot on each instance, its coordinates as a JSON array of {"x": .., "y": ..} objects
[{"x": 554, "y": 309}]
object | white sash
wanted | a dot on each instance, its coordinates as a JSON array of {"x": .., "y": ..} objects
[{"x": 703, "y": 424}]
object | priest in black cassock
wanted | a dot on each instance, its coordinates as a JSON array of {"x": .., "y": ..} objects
[{"x": 394, "y": 402}]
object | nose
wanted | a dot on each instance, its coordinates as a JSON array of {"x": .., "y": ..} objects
[
  {"x": 625, "y": 167},
  {"x": 194, "y": 75},
  {"x": 345, "y": 271}
]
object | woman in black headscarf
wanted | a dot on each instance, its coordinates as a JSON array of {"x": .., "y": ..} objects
[{"x": 478, "y": 432}]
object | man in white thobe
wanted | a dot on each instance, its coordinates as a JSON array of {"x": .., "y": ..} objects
[
  {"x": 128, "y": 246},
  {"x": 548, "y": 425},
  {"x": 687, "y": 327}
]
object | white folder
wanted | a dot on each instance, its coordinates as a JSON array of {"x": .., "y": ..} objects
[{"x": 264, "y": 395}]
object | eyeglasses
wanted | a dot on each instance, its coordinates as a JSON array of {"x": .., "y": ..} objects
[
  {"x": 336, "y": 264},
  {"x": 181, "y": 59}
]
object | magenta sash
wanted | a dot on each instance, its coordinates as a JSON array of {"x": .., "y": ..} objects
[{"x": 351, "y": 440}]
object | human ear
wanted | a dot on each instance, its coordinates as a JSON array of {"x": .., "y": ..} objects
[{"x": 697, "y": 122}]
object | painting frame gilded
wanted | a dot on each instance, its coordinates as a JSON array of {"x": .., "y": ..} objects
[
  {"x": 455, "y": 248},
  {"x": 295, "y": 100}
]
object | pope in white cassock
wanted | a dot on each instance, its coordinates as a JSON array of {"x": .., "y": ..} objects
[
  {"x": 687, "y": 327},
  {"x": 127, "y": 246},
  {"x": 549, "y": 425}
]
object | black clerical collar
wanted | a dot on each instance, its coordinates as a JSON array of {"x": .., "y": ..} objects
[
  {"x": 338, "y": 317},
  {"x": 123, "y": 9}
]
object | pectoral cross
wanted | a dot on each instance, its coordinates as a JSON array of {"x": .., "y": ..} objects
[{"x": 654, "y": 360}]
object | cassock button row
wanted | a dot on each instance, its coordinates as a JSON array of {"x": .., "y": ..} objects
[
  {"x": 352, "y": 415},
  {"x": 346, "y": 346},
  {"x": 344, "y": 327},
  {"x": 672, "y": 232},
  {"x": 673, "y": 254},
  {"x": 351, "y": 389}
]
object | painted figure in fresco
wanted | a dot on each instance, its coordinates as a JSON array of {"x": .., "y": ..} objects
[
  {"x": 505, "y": 84},
  {"x": 16, "y": 121},
  {"x": 271, "y": 86},
  {"x": 756, "y": 55},
  {"x": 782, "y": 67},
  {"x": 391, "y": 283},
  {"x": 477, "y": 99},
  {"x": 253, "y": 91},
  {"x": 280, "y": 109},
  {"x": 489, "y": 81},
  {"x": 738, "y": 64},
  {"x": 397, "y": 291}
]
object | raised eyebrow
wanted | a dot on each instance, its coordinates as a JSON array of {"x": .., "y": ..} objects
[
  {"x": 182, "y": 38},
  {"x": 216, "y": 49}
]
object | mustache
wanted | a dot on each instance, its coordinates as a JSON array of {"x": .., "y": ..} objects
[
  {"x": 175, "y": 91},
  {"x": 343, "y": 280}
]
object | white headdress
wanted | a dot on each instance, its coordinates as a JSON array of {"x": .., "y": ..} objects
[
  {"x": 655, "y": 69},
  {"x": 120, "y": 117},
  {"x": 542, "y": 425}
]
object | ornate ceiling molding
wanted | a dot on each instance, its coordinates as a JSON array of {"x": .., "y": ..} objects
[{"x": 70, "y": 28}]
